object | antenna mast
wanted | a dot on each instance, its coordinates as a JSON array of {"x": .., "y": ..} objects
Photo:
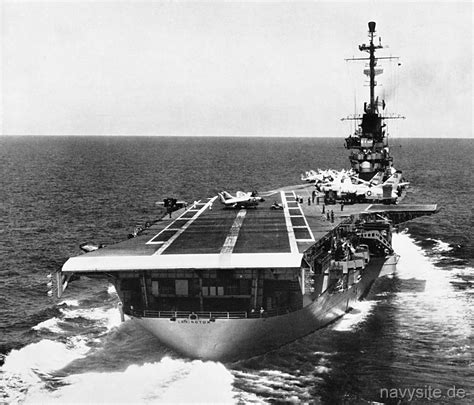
[
  {"x": 369, "y": 144},
  {"x": 372, "y": 63}
]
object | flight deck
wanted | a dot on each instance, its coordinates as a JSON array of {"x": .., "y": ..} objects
[{"x": 211, "y": 235}]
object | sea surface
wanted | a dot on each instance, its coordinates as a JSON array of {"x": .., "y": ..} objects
[{"x": 412, "y": 336}]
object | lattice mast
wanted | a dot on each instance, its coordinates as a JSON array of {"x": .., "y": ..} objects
[{"x": 369, "y": 144}]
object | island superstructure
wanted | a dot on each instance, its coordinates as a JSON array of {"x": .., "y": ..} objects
[
  {"x": 226, "y": 281},
  {"x": 370, "y": 153}
]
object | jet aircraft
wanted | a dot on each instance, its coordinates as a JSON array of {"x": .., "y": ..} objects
[
  {"x": 240, "y": 200},
  {"x": 354, "y": 185},
  {"x": 313, "y": 176},
  {"x": 389, "y": 190}
]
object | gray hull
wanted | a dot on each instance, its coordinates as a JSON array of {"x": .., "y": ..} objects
[{"x": 230, "y": 339}]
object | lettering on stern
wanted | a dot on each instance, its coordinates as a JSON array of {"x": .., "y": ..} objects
[{"x": 199, "y": 321}]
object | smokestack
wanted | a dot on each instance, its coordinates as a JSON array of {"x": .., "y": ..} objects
[{"x": 372, "y": 26}]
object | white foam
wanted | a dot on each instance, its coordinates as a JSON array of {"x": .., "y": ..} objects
[
  {"x": 360, "y": 311},
  {"x": 22, "y": 368},
  {"x": 321, "y": 369},
  {"x": 168, "y": 381},
  {"x": 441, "y": 246},
  {"x": 109, "y": 317},
  {"x": 439, "y": 305},
  {"x": 46, "y": 355},
  {"x": 111, "y": 290},
  {"x": 276, "y": 379},
  {"x": 272, "y": 383},
  {"x": 207, "y": 382},
  {"x": 50, "y": 324},
  {"x": 467, "y": 272},
  {"x": 69, "y": 303},
  {"x": 412, "y": 263}
]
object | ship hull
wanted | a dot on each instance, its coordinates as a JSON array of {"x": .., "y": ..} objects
[{"x": 232, "y": 339}]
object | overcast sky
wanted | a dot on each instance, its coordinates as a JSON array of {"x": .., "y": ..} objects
[{"x": 230, "y": 68}]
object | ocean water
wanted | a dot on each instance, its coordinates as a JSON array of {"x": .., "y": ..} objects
[{"x": 413, "y": 334}]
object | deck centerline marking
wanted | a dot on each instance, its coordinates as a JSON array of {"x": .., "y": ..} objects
[
  {"x": 231, "y": 239},
  {"x": 289, "y": 227},
  {"x": 184, "y": 227}
]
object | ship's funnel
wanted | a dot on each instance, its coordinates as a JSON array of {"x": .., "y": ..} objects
[{"x": 372, "y": 26}]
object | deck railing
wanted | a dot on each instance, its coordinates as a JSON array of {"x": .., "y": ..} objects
[{"x": 148, "y": 313}]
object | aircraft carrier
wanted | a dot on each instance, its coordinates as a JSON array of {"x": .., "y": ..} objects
[{"x": 227, "y": 278}]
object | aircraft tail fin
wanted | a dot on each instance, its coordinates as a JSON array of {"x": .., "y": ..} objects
[
  {"x": 377, "y": 179},
  {"x": 393, "y": 180},
  {"x": 224, "y": 196},
  {"x": 221, "y": 197}
]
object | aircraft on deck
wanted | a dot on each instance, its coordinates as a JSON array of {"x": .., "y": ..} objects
[
  {"x": 313, "y": 176},
  {"x": 352, "y": 187},
  {"x": 240, "y": 200},
  {"x": 336, "y": 180},
  {"x": 357, "y": 186},
  {"x": 391, "y": 189}
]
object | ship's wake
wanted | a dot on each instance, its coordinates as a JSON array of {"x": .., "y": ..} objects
[
  {"x": 89, "y": 356},
  {"x": 166, "y": 381},
  {"x": 328, "y": 366}
]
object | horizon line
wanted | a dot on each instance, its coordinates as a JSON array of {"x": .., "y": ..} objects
[{"x": 216, "y": 136}]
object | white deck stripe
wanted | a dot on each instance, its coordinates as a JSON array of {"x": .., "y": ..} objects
[
  {"x": 309, "y": 230},
  {"x": 306, "y": 226},
  {"x": 184, "y": 227},
  {"x": 231, "y": 239},
  {"x": 289, "y": 227},
  {"x": 168, "y": 227}
]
